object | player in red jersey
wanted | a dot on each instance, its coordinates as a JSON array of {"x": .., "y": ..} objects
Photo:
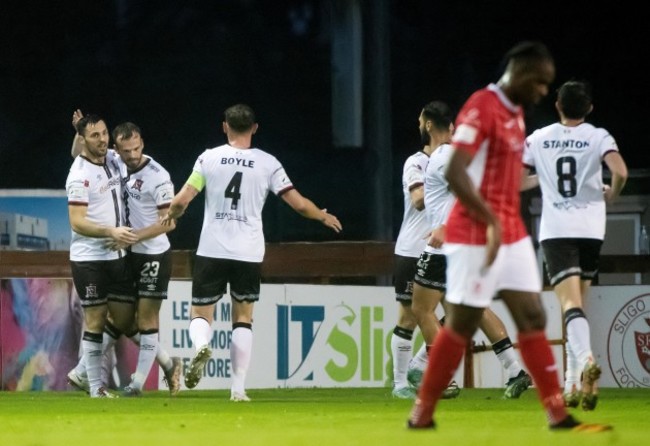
[{"x": 488, "y": 249}]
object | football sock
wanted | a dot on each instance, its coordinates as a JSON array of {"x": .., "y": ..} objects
[
  {"x": 573, "y": 371},
  {"x": 146, "y": 356},
  {"x": 446, "y": 353},
  {"x": 162, "y": 356},
  {"x": 200, "y": 332},
  {"x": 92, "y": 348},
  {"x": 241, "y": 347},
  {"x": 505, "y": 353},
  {"x": 419, "y": 361},
  {"x": 577, "y": 330},
  {"x": 401, "y": 347},
  {"x": 538, "y": 357}
]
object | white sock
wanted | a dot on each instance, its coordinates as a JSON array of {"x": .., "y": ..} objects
[
  {"x": 162, "y": 357},
  {"x": 146, "y": 356},
  {"x": 420, "y": 360},
  {"x": 108, "y": 354},
  {"x": 93, "y": 361},
  {"x": 509, "y": 362},
  {"x": 80, "y": 368},
  {"x": 577, "y": 331},
  {"x": 573, "y": 371},
  {"x": 401, "y": 350},
  {"x": 241, "y": 348},
  {"x": 200, "y": 332}
]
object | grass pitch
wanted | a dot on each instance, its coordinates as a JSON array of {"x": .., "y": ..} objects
[{"x": 315, "y": 417}]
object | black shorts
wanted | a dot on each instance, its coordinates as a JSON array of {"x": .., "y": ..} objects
[
  {"x": 566, "y": 257},
  {"x": 97, "y": 282},
  {"x": 151, "y": 273},
  {"x": 403, "y": 272},
  {"x": 211, "y": 276},
  {"x": 431, "y": 271}
]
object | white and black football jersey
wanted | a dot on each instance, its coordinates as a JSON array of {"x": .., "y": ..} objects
[
  {"x": 147, "y": 190},
  {"x": 568, "y": 161},
  {"x": 438, "y": 198},
  {"x": 97, "y": 186},
  {"x": 237, "y": 182},
  {"x": 411, "y": 238}
]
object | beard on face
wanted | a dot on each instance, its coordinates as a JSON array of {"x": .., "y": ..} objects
[{"x": 425, "y": 139}]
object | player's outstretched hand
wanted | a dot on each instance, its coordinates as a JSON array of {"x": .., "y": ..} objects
[
  {"x": 76, "y": 116},
  {"x": 331, "y": 221}
]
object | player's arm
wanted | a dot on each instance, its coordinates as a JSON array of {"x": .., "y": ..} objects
[
  {"x": 417, "y": 197},
  {"x": 183, "y": 198},
  {"x": 618, "y": 168},
  {"x": 437, "y": 236},
  {"x": 529, "y": 180},
  {"x": 305, "y": 207},
  {"x": 77, "y": 144},
  {"x": 461, "y": 185},
  {"x": 81, "y": 225},
  {"x": 157, "y": 228}
]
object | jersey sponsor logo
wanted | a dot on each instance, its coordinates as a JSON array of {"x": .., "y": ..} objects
[
  {"x": 230, "y": 216},
  {"x": 628, "y": 343},
  {"x": 112, "y": 183}
]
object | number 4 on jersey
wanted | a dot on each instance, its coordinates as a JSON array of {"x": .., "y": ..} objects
[{"x": 232, "y": 190}]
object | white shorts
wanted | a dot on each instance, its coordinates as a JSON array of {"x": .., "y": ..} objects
[{"x": 468, "y": 283}]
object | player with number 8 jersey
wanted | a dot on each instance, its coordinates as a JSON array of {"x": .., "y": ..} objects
[{"x": 568, "y": 157}]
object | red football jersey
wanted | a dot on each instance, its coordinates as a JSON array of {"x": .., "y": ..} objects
[{"x": 491, "y": 128}]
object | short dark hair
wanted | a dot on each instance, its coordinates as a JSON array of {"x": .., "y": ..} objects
[
  {"x": 528, "y": 50},
  {"x": 239, "y": 117},
  {"x": 439, "y": 113},
  {"x": 575, "y": 99},
  {"x": 89, "y": 119},
  {"x": 125, "y": 130}
]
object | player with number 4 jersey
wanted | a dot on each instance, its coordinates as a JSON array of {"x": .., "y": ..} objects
[
  {"x": 237, "y": 179},
  {"x": 232, "y": 222}
]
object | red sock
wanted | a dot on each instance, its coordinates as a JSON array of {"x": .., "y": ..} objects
[
  {"x": 444, "y": 357},
  {"x": 536, "y": 354}
]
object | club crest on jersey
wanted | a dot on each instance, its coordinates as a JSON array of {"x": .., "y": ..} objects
[{"x": 137, "y": 185}]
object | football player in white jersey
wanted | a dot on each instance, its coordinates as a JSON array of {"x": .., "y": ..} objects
[
  {"x": 237, "y": 179},
  {"x": 148, "y": 191},
  {"x": 100, "y": 274},
  {"x": 567, "y": 157},
  {"x": 146, "y": 194},
  {"x": 430, "y": 282},
  {"x": 408, "y": 246}
]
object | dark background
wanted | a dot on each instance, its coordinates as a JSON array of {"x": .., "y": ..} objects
[{"x": 174, "y": 66}]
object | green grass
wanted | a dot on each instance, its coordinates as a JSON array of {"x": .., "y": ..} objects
[{"x": 319, "y": 417}]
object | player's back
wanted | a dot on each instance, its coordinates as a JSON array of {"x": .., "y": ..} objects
[
  {"x": 568, "y": 162},
  {"x": 237, "y": 182}
]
